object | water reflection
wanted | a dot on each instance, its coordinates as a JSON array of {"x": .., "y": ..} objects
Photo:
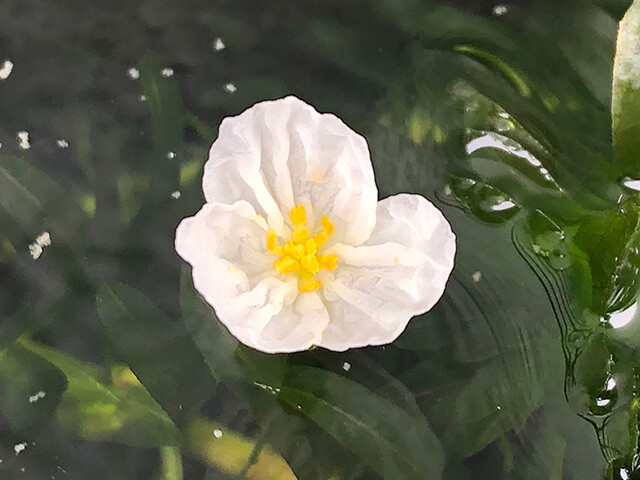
[{"x": 622, "y": 318}]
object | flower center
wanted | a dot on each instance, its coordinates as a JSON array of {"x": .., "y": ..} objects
[{"x": 300, "y": 254}]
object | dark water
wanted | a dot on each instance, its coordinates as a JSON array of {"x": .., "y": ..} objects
[{"x": 499, "y": 114}]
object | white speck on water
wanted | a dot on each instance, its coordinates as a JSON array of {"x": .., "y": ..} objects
[
  {"x": 142, "y": 98},
  {"x": 44, "y": 239},
  {"x": 133, "y": 73},
  {"x": 23, "y": 140},
  {"x": 218, "y": 44},
  {"x": 180, "y": 407},
  {"x": 498, "y": 407},
  {"x": 346, "y": 366},
  {"x": 603, "y": 402},
  {"x": 34, "y": 398},
  {"x": 217, "y": 433},
  {"x": 447, "y": 190},
  {"x": 37, "y": 247},
  {"x": 167, "y": 72},
  {"x": 6, "y": 69},
  {"x": 171, "y": 155},
  {"x": 477, "y": 276},
  {"x": 62, "y": 143},
  {"x": 19, "y": 447},
  {"x": 35, "y": 251},
  {"x": 499, "y": 10},
  {"x": 176, "y": 194},
  {"x": 230, "y": 88}
]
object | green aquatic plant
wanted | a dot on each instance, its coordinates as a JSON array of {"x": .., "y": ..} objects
[{"x": 518, "y": 122}]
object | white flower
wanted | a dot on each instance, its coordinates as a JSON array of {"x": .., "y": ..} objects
[{"x": 292, "y": 248}]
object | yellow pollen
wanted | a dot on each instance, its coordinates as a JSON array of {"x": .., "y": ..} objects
[{"x": 300, "y": 254}]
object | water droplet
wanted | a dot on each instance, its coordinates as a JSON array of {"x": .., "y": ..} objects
[
  {"x": 167, "y": 72},
  {"x": 230, "y": 88},
  {"x": 218, "y": 44},
  {"x": 6, "y": 69},
  {"x": 133, "y": 73},
  {"x": 503, "y": 125}
]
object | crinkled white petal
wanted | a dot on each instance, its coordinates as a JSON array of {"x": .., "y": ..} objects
[
  {"x": 400, "y": 272},
  {"x": 283, "y": 153},
  {"x": 225, "y": 244}
]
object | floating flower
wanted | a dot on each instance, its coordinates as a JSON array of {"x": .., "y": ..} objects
[{"x": 292, "y": 247}]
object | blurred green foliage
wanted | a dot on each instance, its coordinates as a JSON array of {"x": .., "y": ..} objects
[{"x": 513, "y": 119}]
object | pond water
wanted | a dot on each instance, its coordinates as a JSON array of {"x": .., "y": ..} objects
[{"x": 112, "y": 366}]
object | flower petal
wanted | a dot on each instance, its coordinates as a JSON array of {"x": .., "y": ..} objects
[
  {"x": 226, "y": 245},
  {"x": 400, "y": 272},
  {"x": 282, "y": 153},
  {"x": 298, "y": 326}
]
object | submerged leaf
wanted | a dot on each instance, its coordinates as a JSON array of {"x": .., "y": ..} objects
[
  {"x": 141, "y": 335},
  {"x": 625, "y": 105}
]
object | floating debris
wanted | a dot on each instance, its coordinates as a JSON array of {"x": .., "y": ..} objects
[
  {"x": 167, "y": 72},
  {"x": 34, "y": 398},
  {"x": 499, "y": 10},
  {"x": 37, "y": 247},
  {"x": 346, "y": 366},
  {"x": 176, "y": 194},
  {"x": 23, "y": 140},
  {"x": 218, "y": 44},
  {"x": 142, "y": 98},
  {"x": 230, "y": 88},
  {"x": 133, "y": 73},
  {"x": 62, "y": 143},
  {"x": 6, "y": 69},
  {"x": 171, "y": 155},
  {"x": 477, "y": 276},
  {"x": 19, "y": 447},
  {"x": 217, "y": 433}
]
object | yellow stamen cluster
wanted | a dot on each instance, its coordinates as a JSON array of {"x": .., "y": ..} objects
[{"x": 300, "y": 254}]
